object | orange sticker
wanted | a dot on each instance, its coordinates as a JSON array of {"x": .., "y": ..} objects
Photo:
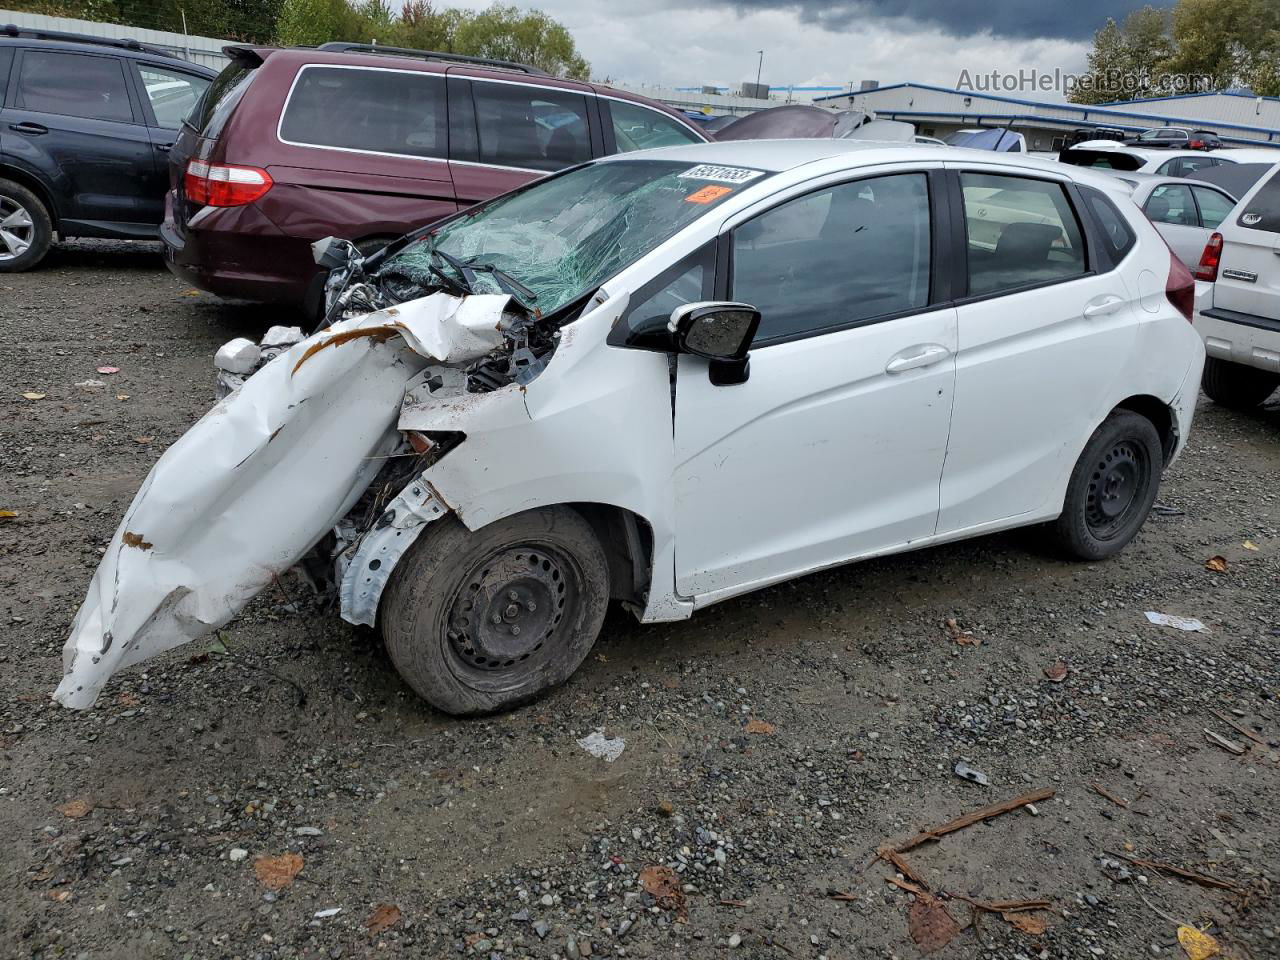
[{"x": 708, "y": 195}]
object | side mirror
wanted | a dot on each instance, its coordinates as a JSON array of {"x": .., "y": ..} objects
[
  {"x": 333, "y": 252},
  {"x": 719, "y": 332}
]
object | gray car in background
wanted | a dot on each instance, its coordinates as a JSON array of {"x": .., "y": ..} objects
[{"x": 1184, "y": 212}]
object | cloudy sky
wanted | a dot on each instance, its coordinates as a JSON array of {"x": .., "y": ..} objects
[{"x": 813, "y": 42}]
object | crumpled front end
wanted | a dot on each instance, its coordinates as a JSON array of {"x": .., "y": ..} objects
[{"x": 260, "y": 479}]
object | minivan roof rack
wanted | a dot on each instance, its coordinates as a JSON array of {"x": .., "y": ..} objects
[
  {"x": 120, "y": 43},
  {"x": 342, "y": 46}
]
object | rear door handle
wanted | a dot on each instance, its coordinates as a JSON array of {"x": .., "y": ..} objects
[
  {"x": 921, "y": 355},
  {"x": 1105, "y": 306},
  {"x": 33, "y": 128},
  {"x": 164, "y": 147}
]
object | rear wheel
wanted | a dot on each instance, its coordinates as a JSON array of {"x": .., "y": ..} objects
[
  {"x": 25, "y": 228},
  {"x": 484, "y": 621},
  {"x": 1112, "y": 487},
  {"x": 1235, "y": 385}
]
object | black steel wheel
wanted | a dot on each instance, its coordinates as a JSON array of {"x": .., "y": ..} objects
[
  {"x": 483, "y": 621},
  {"x": 1112, "y": 487}
]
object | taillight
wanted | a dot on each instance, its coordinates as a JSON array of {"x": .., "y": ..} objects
[
  {"x": 1180, "y": 288},
  {"x": 1208, "y": 269},
  {"x": 224, "y": 185},
  {"x": 1196, "y": 144}
]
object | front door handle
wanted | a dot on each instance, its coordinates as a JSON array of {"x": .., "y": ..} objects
[
  {"x": 921, "y": 355},
  {"x": 1104, "y": 306},
  {"x": 164, "y": 147},
  {"x": 33, "y": 128}
]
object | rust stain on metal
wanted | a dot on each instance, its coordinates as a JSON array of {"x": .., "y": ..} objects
[
  {"x": 379, "y": 334},
  {"x": 135, "y": 540}
]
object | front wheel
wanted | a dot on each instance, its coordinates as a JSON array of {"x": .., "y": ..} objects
[
  {"x": 1112, "y": 487},
  {"x": 484, "y": 621}
]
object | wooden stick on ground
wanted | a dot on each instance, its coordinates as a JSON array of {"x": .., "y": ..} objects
[
  {"x": 1239, "y": 727},
  {"x": 1203, "y": 879},
  {"x": 1107, "y": 795},
  {"x": 977, "y": 816}
]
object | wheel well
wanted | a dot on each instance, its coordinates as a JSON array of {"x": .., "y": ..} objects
[
  {"x": 1161, "y": 417},
  {"x": 627, "y": 540},
  {"x": 36, "y": 187}
]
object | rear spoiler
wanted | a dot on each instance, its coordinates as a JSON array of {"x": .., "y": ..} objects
[
  {"x": 250, "y": 57},
  {"x": 1103, "y": 159}
]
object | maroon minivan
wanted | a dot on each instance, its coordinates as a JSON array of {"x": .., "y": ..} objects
[{"x": 367, "y": 143}]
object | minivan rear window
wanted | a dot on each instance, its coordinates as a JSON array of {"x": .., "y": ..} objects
[
  {"x": 1263, "y": 211},
  {"x": 210, "y": 115},
  {"x": 369, "y": 109}
]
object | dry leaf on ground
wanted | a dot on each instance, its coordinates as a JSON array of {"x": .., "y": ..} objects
[
  {"x": 759, "y": 726},
  {"x": 33, "y": 396},
  {"x": 1250, "y": 545},
  {"x": 276, "y": 873},
  {"x": 1198, "y": 945},
  {"x": 1216, "y": 564},
  {"x": 1032, "y": 923},
  {"x": 1057, "y": 672},
  {"x": 963, "y": 637},
  {"x": 384, "y": 917},
  {"x": 663, "y": 884},
  {"x": 75, "y": 809},
  {"x": 929, "y": 924}
]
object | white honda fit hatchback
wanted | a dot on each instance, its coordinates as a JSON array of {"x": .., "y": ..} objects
[{"x": 706, "y": 369}]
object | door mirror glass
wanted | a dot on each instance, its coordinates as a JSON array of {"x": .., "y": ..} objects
[{"x": 716, "y": 331}]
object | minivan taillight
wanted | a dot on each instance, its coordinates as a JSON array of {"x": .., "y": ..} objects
[
  {"x": 1180, "y": 288},
  {"x": 224, "y": 185},
  {"x": 1208, "y": 269}
]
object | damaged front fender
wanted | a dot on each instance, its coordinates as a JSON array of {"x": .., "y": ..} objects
[{"x": 259, "y": 480}]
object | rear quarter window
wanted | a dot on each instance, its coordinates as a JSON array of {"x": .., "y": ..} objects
[
  {"x": 219, "y": 100},
  {"x": 1116, "y": 236},
  {"x": 371, "y": 110},
  {"x": 1263, "y": 211}
]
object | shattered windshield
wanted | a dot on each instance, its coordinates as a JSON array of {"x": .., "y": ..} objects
[{"x": 562, "y": 238}]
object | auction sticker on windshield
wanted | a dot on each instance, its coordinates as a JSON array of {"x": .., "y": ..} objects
[
  {"x": 708, "y": 195},
  {"x": 711, "y": 171}
]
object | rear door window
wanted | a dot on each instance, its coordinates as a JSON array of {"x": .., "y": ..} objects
[
  {"x": 399, "y": 112},
  {"x": 1172, "y": 203},
  {"x": 172, "y": 95},
  {"x": 73, "y": 85},
  {"x": 1263, "y": 211},
  {"x": 533, "y": 128},
  {"x": 1214, "y": 206},
  {"x": 639, "y": 128},
  {"x": 1021, "y": 232}
]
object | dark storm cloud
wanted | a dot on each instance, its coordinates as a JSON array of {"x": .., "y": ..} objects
[{"x": 1055, "y": 19}]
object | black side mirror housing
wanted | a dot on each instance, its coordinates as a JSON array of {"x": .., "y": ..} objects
[
  {"x": 333, "y": 252},
  {"x": 720, "y": 332}
]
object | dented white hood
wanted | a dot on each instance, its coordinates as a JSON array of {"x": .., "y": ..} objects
[{"x": 258, "y": 481}]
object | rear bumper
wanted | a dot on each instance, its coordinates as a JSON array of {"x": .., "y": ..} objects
[
  {"x": 238, "y": 253},
  {"x": 1243, "y": 338}
]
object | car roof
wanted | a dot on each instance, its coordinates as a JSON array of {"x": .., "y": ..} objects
[
  {"x": 1147, "y": 182},
  {"x": 11, "y": 36},
  {"x": 777, "y": 156}
]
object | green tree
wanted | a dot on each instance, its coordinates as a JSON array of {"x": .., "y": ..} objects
[
  {"x": 530, "y": 36},
  {"x": 1128, "y": 61},
  {"x": 1217, "y": 44},
  {"x": 313, "y": 22}
]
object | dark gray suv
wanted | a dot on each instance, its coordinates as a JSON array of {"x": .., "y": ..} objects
[{"x": 86, "y": 124}]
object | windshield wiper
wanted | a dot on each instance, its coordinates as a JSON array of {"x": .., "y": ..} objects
[
  {"x": 462, "y": 283},
  {"x": 508, "y": 283}
]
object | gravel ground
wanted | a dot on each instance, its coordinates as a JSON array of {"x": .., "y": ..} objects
[{"x": 772, "y": 743}]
